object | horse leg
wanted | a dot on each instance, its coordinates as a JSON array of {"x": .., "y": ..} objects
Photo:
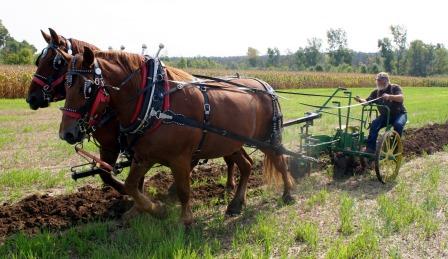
[
  {"x": 280, "y": 164},
  {"x": 182, "y": 171},
  {"x": 239, "y": 200},
  {"x": 230, "y": 184},
  {"x": 172, "y": 188},
  {"x": 141, "y": 201},
  {"x": 110, "y": 157}
]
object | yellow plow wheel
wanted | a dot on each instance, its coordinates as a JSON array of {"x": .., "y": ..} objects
[{"x": 388, "y": 156}]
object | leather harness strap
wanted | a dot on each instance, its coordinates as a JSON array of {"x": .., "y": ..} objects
[{"x": 206, "y": 121}]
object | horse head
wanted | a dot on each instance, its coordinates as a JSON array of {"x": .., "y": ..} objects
[
  {"x": 48, "y": 82},
  {"x": 86, "y": 96}
]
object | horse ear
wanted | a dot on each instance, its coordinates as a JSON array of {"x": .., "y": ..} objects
[
  {"x": 67, "y": 57},
  {"x": 88, "y": 57},
  {"x": 46, "y": 36},
  {"x": 55, "y": 37}
]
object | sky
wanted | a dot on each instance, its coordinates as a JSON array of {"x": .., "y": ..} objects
[{"x": 223, "y": 28}]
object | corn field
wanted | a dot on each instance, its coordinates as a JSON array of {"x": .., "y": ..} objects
[
  {"x": 294, "y": 79},
  {"x": 15, "y": 80}
]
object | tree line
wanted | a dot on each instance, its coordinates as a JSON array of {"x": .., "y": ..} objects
[{"x": 395, "y": 55}]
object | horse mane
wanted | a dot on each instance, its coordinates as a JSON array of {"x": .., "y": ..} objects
[
  {"x": 128, "y": 61},
  {"x": 131, "y": 61},
  {"x": 177, "y": 74},
  {"x": 78, "y": 45}
]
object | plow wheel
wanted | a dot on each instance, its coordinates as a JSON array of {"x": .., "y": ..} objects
[{"x": 388, "y": 156}]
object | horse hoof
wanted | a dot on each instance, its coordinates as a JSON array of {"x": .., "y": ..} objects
[
  {"x": 234, "y": 209},
  {"x": 232, "y": 213},
  {"x": 288, "y": 199}
]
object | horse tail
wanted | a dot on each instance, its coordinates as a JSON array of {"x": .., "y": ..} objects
[{"x": 275, "y": 170}]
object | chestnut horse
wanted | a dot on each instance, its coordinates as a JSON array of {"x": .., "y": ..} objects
[
  {"x": 48, "y": 86},
  {"x": 173, "y": 145}
]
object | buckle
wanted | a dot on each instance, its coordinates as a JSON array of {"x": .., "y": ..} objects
[{"x": 207, "y": 108}]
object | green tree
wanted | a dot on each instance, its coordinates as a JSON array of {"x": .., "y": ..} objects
[
  {"x": 273, "y": 57},
  {"x": 252, "y": 56},
  {"x": 313, "y": 52},
  {"x": 182, "y": 63},
  {"x": 337, "y": 47},
  {"x": 374, "y": 68},
  {"x": 400, "y": 35},
  {"x": 300, "y": 59},
  {"x": 4, "y": 34},
  {"x": 15, "y": 52},
  {"x": 386, "y": 53},
  {"x": 417, "y": 58},
  {"x": 440, "y": 62},
  {"x": 12, "y": 51}
]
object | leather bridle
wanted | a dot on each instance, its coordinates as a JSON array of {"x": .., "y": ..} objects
[{"x": 49, "y": 83}]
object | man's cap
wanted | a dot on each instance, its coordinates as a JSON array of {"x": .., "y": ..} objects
[{"x": 382, "y": 75}]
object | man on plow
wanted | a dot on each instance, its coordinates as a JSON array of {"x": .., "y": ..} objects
[{"x": 392, "y": 97}]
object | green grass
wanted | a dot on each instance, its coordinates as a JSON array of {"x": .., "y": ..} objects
[
  {"x": 18, "y": 183},
  {"x": 398, "y": 212},
  {"x": 364, "y": 245},
  {"x": 308, "y": 233},
  {"x": 13, "y": 104},
  {"x": 401, "y": 211},
  {"x": 346, "y": 214},
  {"x": 28, "y": 178},
  {"x": 144, "y": 236},
  {"x": 317, "y": 199}
]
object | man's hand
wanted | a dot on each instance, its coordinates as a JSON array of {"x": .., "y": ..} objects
[
  {"x": 359, "y": 100},
  {"x": 386, "y": 97}
]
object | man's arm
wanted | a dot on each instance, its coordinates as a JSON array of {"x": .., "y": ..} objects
[{"x": 399, "y": 98}]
